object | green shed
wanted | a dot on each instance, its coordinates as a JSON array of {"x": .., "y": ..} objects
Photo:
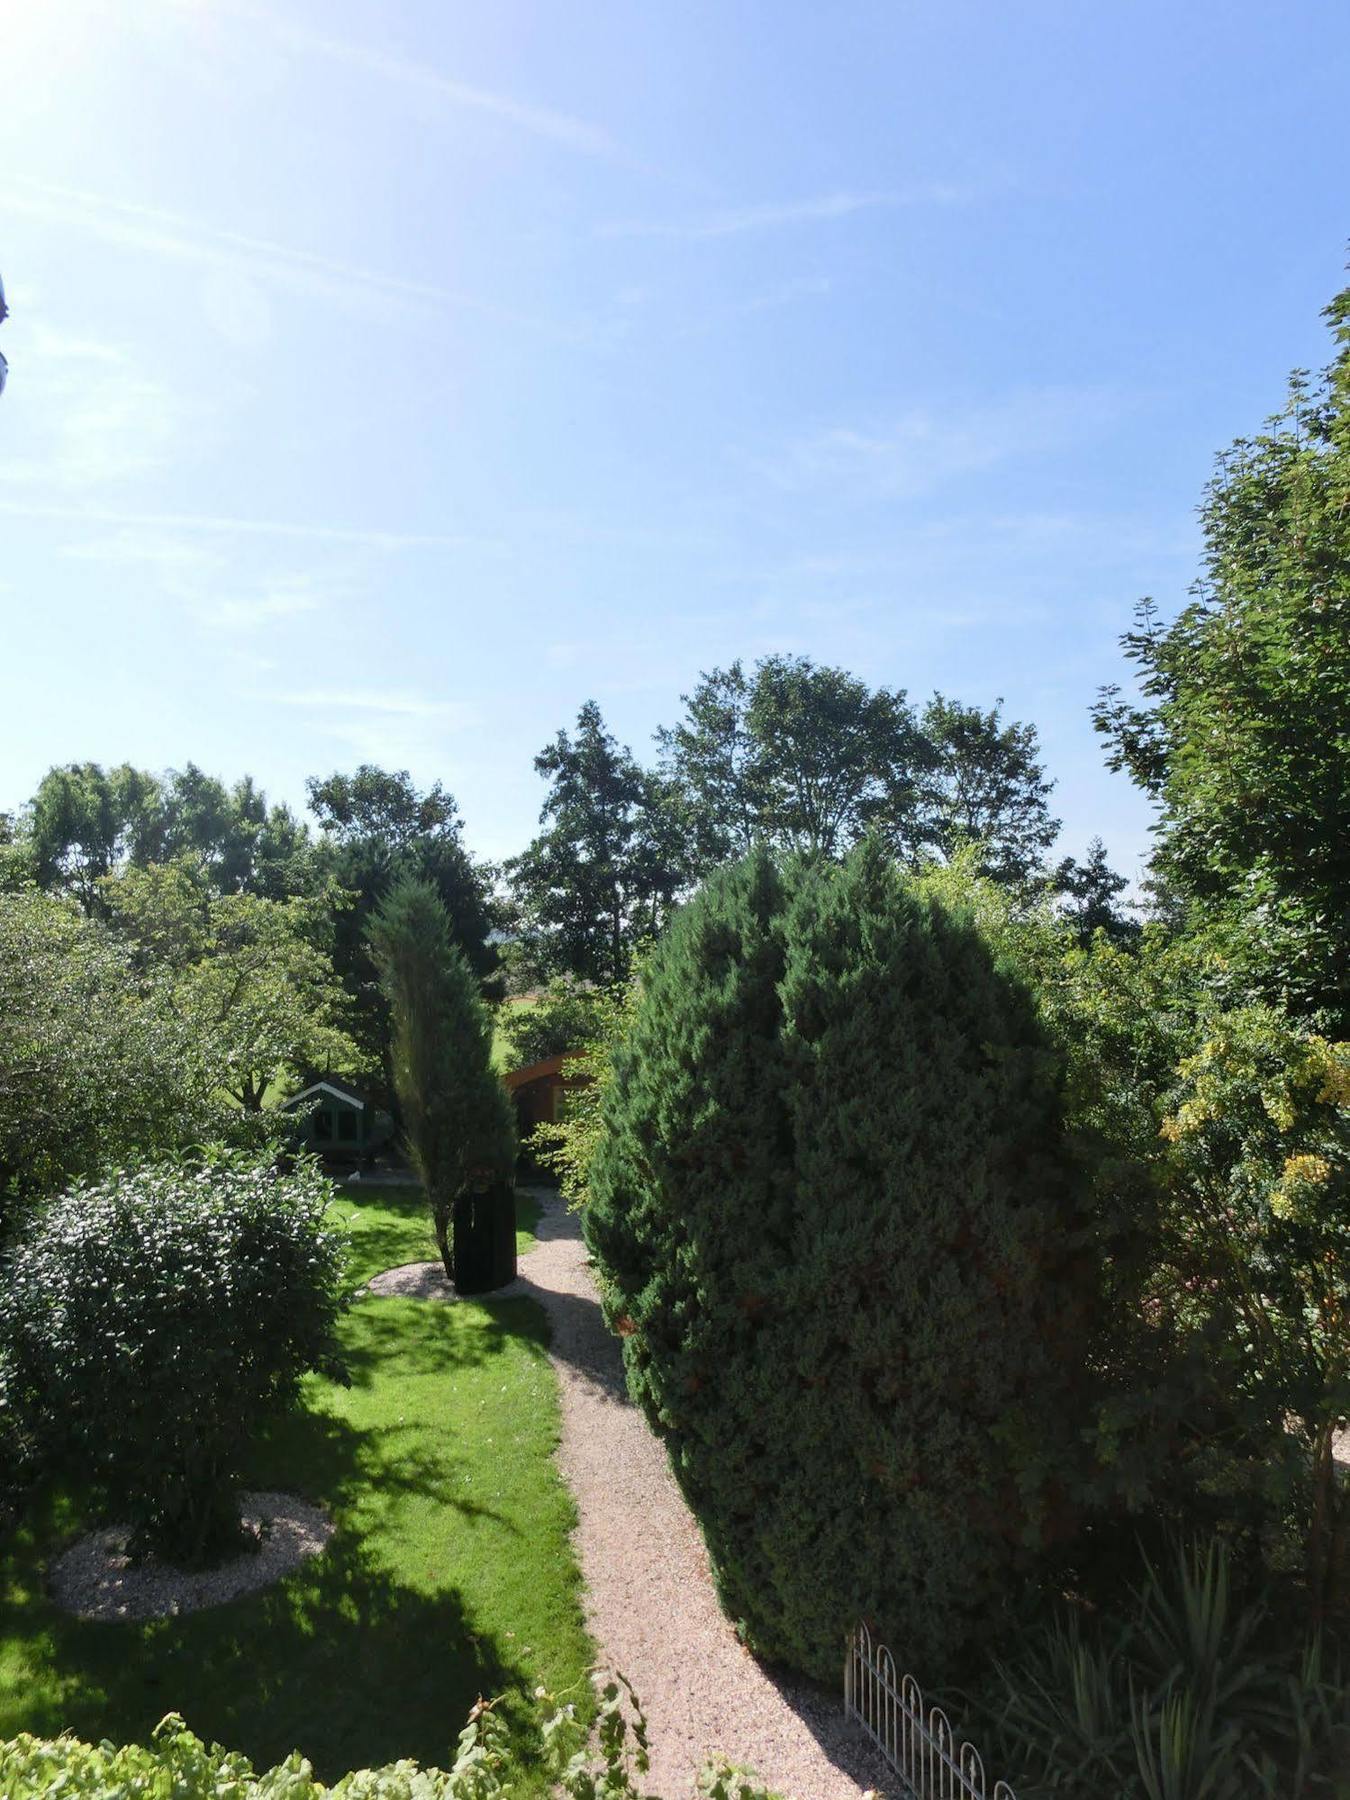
[{"x": 338, "y": 1120}]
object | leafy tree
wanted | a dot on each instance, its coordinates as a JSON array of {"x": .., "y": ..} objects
[
  {"x": 1089, "y": 890},
  {"x": 843, "y": 1240},
  {"x": 564, "y": 1017},
  {"x": 378, "y": 827},
  {"x": 456, "y": 1112},
  {"x": 84, "y": 820},
  {"x": 982, "y": 784},
  {"x": 797, "y": 755},
  {"x": 604, "y": 872},
  {"x": 716, "y": 767},
  {"x": 153, "y": 1322},
  {"x": 98, "y": 1062},
  {"x": 1244, "y": 735},
  {"x": 245, "y": 845},
  {"x": 253, "y": 973}
]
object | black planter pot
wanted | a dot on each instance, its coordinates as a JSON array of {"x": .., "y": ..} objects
[{"x": 484, "y": 1243}]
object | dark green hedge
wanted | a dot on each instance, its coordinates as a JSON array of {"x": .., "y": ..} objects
[{"x": 840, "y": 1233}]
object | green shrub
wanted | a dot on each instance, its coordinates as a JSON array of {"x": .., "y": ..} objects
[
  {"x": 1182, "y": 1692},
  {"x": 151, "y": 1322},
  {"x": 179, "y": 1764},
  {"x": 838, "y": 1230}
]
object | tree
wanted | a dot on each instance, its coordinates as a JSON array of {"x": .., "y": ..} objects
[
  {"x": 252, "y": 973},
  {"x": 245, "y": 845},
  {"x": 982, "y": 783},
  {"x": 378, "y": 827},
  {"x": 604, "y": 872},
  {"x": 1243, "y": 739},
  {"x": 797, "y": 755},
  {"x": 83, "y": 821},
  {"x": 716, "y": 767},
  {"x": 98, "y": 1062},
  {"x": 1090, "y": 889},
  {"x": 456, "y": 1113},
  {"x": 842, "y": 1237}
]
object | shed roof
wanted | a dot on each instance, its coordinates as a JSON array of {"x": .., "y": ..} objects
[
  {"x": 549, "y": 1066},
  {"x": 332, "y": 1086}
]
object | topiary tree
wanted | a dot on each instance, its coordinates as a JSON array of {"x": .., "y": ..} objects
[
  {"x": 152, "y": 1322},
  {"x": 456, "y": 1112},
  {"x": 839, "y": 1232}
]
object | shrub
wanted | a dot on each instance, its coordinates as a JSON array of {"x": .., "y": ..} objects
[
  {"x": 839, "y": 1233},
  {"x": 178, "y": 1763},
  {"x": 151, "y": 1322},
  {"x": 1180, "y": 1690}
]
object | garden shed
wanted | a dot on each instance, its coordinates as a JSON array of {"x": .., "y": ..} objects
[{"x": 338, "y": 1119}]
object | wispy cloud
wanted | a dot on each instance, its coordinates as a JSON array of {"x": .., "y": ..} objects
[
  {"x": 923, "y": 447},
  {"x": 394, "y": 704},
  {"x": 101, "y": 417},
  {"x": 780, "y": 215},
  {"x": 170, "y": 235},
  {"x": 283, "y": 597},
  {"x": 233, "y": 525},
  {"x": 520, "y": 115}
]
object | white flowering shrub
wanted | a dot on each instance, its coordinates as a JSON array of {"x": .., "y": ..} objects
[{"x": 152, "y": 1321}]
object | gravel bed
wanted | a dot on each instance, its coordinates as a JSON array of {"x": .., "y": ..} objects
[
  {"x": 427, "y": 1281},
  {"x": 94, "y": 1580}
]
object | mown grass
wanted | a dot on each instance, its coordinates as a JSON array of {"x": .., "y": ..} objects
[{"x": 450, "y": 1575}]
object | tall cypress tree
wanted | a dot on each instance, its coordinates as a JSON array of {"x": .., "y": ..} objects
[{"x": 456, "y": 1113}]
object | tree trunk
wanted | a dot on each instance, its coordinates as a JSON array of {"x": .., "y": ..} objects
[{"x": 441, "y": 1214}]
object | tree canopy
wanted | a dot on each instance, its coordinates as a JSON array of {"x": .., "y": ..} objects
[
  {"x": 1243, "y": 734},
  {"x": 603, "y": 873}
]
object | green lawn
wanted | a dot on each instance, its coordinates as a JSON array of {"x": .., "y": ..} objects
[{"x": 450, "y": 1575}]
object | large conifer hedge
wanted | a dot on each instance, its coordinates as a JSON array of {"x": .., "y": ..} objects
[{"x": 839, "y": 1233}]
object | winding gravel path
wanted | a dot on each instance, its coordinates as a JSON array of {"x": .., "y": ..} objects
[{"x": 650, "y": 1605}]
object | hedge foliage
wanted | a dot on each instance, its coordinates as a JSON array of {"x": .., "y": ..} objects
[
  {"x": 152, "y": 1321},
  {"x": 841, "y": 1236}
]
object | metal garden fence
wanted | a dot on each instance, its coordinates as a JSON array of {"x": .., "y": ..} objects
[{"x": 917, "y": 1741}]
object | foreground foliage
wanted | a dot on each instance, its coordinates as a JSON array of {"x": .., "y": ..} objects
[
  {"x": 151, "y": 1323},
  {"x": 842, "y": 1240},
  {"x": 178, "y": 1763}
]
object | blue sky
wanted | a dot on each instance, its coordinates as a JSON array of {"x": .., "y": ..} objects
[{"x": 388, "y": 379}]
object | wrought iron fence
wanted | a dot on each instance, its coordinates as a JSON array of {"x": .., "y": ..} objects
[{"x": 917, "y": 1741}]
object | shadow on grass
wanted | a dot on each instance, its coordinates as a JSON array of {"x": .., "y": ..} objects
[
  {"x": 339, "y": 1661},
  {"x": 430, "y": 1338},
  {"x": 349, "y": 1660}
]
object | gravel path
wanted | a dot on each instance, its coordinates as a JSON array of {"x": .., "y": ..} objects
[{"x": 650, "y": 1605}]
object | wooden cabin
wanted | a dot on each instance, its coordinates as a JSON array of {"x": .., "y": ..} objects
[{"x": 539, "y": 1090}]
